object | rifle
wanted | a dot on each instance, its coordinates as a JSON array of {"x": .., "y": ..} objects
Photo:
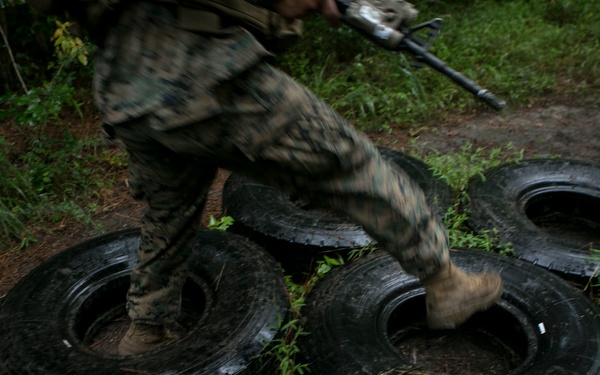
[{"x": 367, "y": 19}]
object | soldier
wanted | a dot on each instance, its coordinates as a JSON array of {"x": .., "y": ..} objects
[{"x": 186, "y": 102}]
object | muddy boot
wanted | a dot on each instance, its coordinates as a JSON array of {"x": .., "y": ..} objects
[
  {"x": 141, "y": 338},
  {"x": 453, "y": 295}
]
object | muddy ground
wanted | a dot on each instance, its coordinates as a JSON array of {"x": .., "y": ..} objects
[{"x": 555, "y": 130}]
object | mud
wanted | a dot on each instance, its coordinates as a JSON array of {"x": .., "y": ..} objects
[{"x": 571, "y": 132}]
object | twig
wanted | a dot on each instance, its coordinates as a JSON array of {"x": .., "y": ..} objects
[
  {"x": 12, "y": 58},
  {"x": 219, "y": 277},
  {"x": 592, "y": 277}
]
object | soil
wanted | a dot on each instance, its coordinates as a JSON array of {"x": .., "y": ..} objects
[
  {"x": 566, "y": 130},
  {"x": 473, "y": 351},
  {"x": 561, "y": 128}
]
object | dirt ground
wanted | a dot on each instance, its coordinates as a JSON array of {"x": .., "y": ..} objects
[
  {"x": 566, "y": 130},
  {"x": 569, "y": 130}
]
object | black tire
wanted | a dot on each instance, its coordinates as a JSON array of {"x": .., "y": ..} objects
[
  {"x": 359, "y": 315},
  {"x": 275, "y": 221},
  {"x": 235, "y": 288},
  {"x": 548, "y": 209}
]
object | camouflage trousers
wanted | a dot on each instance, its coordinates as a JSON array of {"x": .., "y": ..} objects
[{"x": 275, "y": 131}]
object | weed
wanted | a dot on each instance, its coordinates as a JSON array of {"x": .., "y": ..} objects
[
  {"x": 285, "y": 348},
  {"x": 459, "y": 235},
  {"x": 220, "y": 224},
  {"x": 69, "y": 47},
  {"x": 114, "y": 157},
  {"x": 53, "y": 180},
  {"x": 13, "y": 227},
  {"x": 361, "y": 251},
  {"x": 457, "y": 170},
  {"x": 15, "y": 193},
  {"x": 39, "y": 105}
]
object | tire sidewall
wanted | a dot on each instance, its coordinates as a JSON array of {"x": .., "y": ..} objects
[
  {"x": 500, "y": 200},
  {"x": 347, "y": 316},
  {"x": 39, "y": 318}
]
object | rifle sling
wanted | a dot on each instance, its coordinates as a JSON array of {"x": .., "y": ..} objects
[{"x": 206, "y": 16}]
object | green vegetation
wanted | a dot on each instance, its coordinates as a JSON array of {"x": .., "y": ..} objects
[
  {"x": 284, "y": 349},
  {"x": 55, "y": 183},
  {"x": 50, "y": 172},
  {"x": 521, "y": 50},
  {"x": 220, "y": 224},
  {"x": 593, "y": 285},
  {"x": 456, "y": 170}
]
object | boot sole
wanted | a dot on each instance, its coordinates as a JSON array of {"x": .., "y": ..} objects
[{"x": 452, "y": 319}]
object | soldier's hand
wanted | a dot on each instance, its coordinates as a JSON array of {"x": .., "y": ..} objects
[{"x": 298, "y": 9}]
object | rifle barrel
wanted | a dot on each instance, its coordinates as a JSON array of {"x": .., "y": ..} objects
[{"x": 424, "y": 56}]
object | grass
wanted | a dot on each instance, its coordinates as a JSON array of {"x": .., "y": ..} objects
[
  {"x": 284, "y": 350},
  {"x": 457, "y": 169},
  {"x": 57, "y": 179},
  {"x": 523, "y": 51},
  {"x": 593, "y": 285}
]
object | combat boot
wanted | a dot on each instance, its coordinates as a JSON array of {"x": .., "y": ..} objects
[
  {"x": 141, "y": 338},
  {"x": 453, "y": 295}
]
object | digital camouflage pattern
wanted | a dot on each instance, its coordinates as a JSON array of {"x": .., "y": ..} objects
[
  {"x": 186, "y": 104},
  {"x": 148, "y": 66}
]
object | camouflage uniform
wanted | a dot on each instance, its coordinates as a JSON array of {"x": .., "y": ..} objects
[{"x": 185, "y": 104}]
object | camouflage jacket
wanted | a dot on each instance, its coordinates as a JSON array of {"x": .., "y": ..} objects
[{"x": 149, "y": 66}]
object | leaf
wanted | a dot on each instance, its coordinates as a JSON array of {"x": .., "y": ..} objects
[{"x": 82, "y": 59}]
